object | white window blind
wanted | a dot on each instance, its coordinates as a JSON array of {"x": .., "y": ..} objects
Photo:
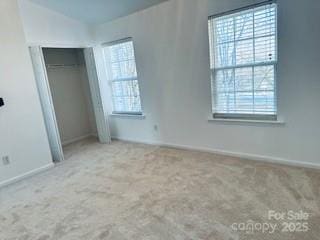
[
  {"x": 243, "y": 55},
  {"x": 122, "y": 70}
]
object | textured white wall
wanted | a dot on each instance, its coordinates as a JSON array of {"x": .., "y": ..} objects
[
  {"x": 172, "y": 53},
  {"x": 46, "y": 27},
  {"x": 22, "y": 132}
]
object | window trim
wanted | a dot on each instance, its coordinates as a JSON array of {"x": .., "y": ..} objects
[
  {"x": 110, "y": 80},
  {"x": 237, "y": 10},
  {"x": 213, "y": 69},
  {"x": 128, "y": 116},
  {"x": 115, "y": 42},
  {"x": 243, "y": 116},
  {"x": 127, "y": 113},
  {"x": 246, "y": 121}
]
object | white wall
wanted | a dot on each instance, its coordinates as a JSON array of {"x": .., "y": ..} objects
[
  {"x": 172, "y": 53},
  {"x": 46, "y": 27},
  {"x": 70, "y": 90},
  {"x": 22, "y": 132}
]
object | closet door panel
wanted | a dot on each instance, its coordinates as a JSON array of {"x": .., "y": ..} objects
[{"x": 99, "y": 110}]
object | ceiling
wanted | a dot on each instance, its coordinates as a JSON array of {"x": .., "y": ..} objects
[{"x": 96, "y": 11}]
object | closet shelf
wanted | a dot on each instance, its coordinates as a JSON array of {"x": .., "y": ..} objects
[{"x": 62, "y": 65}]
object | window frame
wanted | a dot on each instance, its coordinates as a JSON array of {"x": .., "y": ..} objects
[
  {"x": 214, "y": 68},
  {"x": 111, "y": 80}
]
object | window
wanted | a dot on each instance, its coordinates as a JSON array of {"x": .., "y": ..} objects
[
  {"x": 122, "y": 71},
  {"x": 243, "y": 57}
]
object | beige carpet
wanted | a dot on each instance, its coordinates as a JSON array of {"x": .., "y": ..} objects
[{"x": 133, "y": 191}]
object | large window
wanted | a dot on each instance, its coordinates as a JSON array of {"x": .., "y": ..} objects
[
  {"x": 122, "y": 71},
  {"x": 243, "y": 54}
]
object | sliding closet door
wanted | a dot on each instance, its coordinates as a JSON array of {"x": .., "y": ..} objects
[
  {"x": 46, "y": 103},
  {"x": 99, "y": 111}
]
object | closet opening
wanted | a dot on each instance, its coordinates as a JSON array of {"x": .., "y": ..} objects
[
  {"x": 70, "y": 91},
  {"x": 70, "y": 96}
]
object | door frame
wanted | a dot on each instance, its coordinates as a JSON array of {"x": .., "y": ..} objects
[
  {"x": 45, "y": 97},
  {"x": 95, "y": 94}
]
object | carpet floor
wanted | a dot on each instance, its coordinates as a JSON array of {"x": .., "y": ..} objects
[{"x": 127, "y": 191}]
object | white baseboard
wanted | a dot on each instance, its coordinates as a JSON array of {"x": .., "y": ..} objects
[
  {"x": 26, "y": 175},
  {"x": 247, "y": 156},
  {"x": 64, "y": 143}
]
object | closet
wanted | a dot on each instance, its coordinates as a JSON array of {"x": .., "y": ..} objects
[{"x": 70, "y": 91}]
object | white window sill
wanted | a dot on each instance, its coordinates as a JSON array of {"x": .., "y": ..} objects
[
  {"x": 128, "y": 116},
  {"x": 228, "y": 120}
]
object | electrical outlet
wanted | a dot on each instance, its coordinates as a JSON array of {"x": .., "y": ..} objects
[{"x": 6, "y": 160}]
